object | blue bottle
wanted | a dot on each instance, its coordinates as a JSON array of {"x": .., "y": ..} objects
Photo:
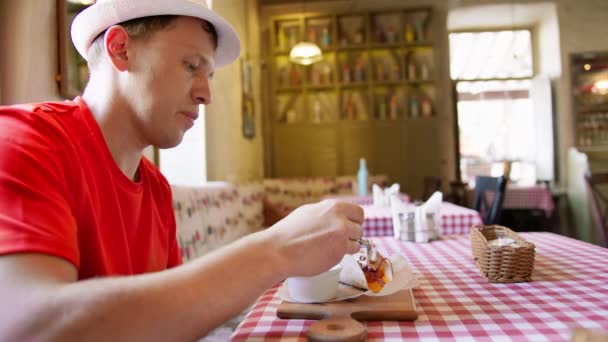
[{"x": 362, "y": 177}]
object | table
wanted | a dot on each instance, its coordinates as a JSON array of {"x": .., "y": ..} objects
[
  {"x": 524, "y": 197},
  {"x": 454, "y": 220},
  {"x": 455, "y": 302}
]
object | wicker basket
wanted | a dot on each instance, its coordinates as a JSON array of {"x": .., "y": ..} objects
[{"x": 502, "y": 264}]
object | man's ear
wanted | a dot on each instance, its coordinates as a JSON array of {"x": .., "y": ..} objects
[{"x": 116, "y": 41}]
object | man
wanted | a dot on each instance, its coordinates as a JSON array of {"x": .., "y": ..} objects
[{"x": 87, "y": 233}]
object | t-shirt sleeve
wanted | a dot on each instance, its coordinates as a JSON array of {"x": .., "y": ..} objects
[
  {"x": 35, "y": 211},
  {"x": 175, "y": 254}
]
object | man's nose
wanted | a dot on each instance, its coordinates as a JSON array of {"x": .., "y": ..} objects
[{"x": 201, "y": 92}]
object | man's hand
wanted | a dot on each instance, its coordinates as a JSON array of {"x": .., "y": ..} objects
[{"x": 315, "y": 237}]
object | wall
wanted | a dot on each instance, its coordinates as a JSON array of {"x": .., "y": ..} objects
[
  {"x": 229, "y": 155},
  {"x": 28, "y": 64},
  {"x": 445, "y": 154},
  {"x": 582, "y": 27},
  {"x": 28, "y": 57}
]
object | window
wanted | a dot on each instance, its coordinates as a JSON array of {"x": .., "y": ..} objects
[
  {"x": 497, "y": 125},
  {"x": 186, "y": 164}
]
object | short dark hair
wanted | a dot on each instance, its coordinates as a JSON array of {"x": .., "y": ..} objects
[{"x": 141, "y": 28}]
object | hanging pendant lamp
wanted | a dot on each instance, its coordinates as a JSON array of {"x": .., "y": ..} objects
[{"x": 305, "y": 53}]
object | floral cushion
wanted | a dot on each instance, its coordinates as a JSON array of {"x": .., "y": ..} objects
[{"x": 211, "y": 216}]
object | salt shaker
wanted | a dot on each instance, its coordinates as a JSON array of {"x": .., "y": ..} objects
[
  {"x": 410, "y": 227},
  {"x": 430, "y": 226}
]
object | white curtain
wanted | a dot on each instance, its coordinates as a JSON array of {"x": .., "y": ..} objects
[{"x": 540, "y": 93}]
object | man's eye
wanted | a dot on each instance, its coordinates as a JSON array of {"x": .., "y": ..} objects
[{"x": 190, "y": 66}]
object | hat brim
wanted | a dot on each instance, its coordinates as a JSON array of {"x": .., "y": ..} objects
[{"x": 95, "y": 19}]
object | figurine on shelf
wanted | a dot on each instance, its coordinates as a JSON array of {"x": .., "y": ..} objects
[
  {"x": 380, "y": 35},
  {"x": 326, "y": 73},
  {"x": 419, "y": 24},
  {"x": 315, "y": 75},
  {"x": 380, "y": 71},
  {"x": 409, "y": 33},
  {"x": 346, "y": 73},
  {"x": 350, "y": 108},
  {"x": 394, "y": 107},
  {"x": 424, "y": 71},
  {"x": 294, "y": 77},
  {"x": 395, "y": 72},
  {"x": 344, "y": 37},
  {"x": 282, "y": 39},
  {"x": 382, "y": 108},
  {"x": 293, "y": 39},
  {"x": 359, "y": 70},
  {"x": 283, "y": 77},
  {"x": 325, "y": 40},
  {"x": 427, "y": 107},
  {"x": 312, "y": 35},
  {"x": 391, "y": 35},
  {"x": 411, "y": 69},
  {"x": 414, "y": 107},
  {"x": 359, "y": 36}
]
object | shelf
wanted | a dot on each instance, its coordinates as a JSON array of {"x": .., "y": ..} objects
[
  {"x": 387, "y": 122},
  {"x": 363, "y": 123},
  {"x": 289, "y": 89},
  {"x": 388, "y": 83},
  {"x": 353, "y": 85},
  {"x": 387, "y": 45},
  {"x": 357, "y": 121},
  {"x": 595, "y": 148},
  {"x": 596, "y": 108},
  {"x": 420, "y": 82},
  {"x": 352, "y": 47},
  {"x": 422, "y": 43},
  {"x": 321, "y": 87}
]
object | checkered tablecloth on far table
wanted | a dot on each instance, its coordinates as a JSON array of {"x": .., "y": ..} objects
[
  {"x": 569, "y": 289},
  {"x": 524, "y": 197},
  {"x": 454, "y": 220},
  {"x": 363, "y": 200}
]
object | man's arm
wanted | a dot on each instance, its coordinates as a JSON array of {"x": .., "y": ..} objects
[{"x": 43, "y": 300}]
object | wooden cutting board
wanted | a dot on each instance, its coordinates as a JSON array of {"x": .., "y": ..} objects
[{"x": 339, "y": 320}]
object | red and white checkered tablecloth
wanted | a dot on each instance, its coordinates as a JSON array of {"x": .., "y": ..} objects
[
  {"x": 569, "y": 289},
  {"x": 454, "y": 220},
  {"x": 524, "y": 197},
  {"x": 535, "y": 197},
  {"x": 363, "y": 200}
]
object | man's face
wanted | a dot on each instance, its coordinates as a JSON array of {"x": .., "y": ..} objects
[{"x": 168, "y": 79}]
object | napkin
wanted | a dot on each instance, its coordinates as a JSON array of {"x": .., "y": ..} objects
[
  {"x": 431, "y": 206},
  {"x": 382, "y": 197},
  {"x": 425, "y": 227},
  {"x": 403, "y": 278}
]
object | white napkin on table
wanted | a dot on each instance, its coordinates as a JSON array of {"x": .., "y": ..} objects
[
  {"x": 403, "y": 278},
  {"x": 382, "y": 197},
  {"x": 432, "y": 205},
  {"x": 400, "y": 210}
]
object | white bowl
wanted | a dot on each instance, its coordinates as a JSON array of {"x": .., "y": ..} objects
[{"x": 315, "y": 289}]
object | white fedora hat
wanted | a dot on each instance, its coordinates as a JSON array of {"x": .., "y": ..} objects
[{"x": 98, "y": 17}]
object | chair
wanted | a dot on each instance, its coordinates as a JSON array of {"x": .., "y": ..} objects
[
  {"x": 597, "y": 185},
  {"x": 458, "y": 194},
  {"x": 490, "y": 212},
  {"x": 430, "y": 185}
]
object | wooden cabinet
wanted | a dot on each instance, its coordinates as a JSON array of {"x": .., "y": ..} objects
[
  {"x": 372, "y": 96},
  {"x": 590, "y": 94}
]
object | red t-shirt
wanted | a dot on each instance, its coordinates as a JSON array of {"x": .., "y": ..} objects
[{"x": 62, "y": 194}]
